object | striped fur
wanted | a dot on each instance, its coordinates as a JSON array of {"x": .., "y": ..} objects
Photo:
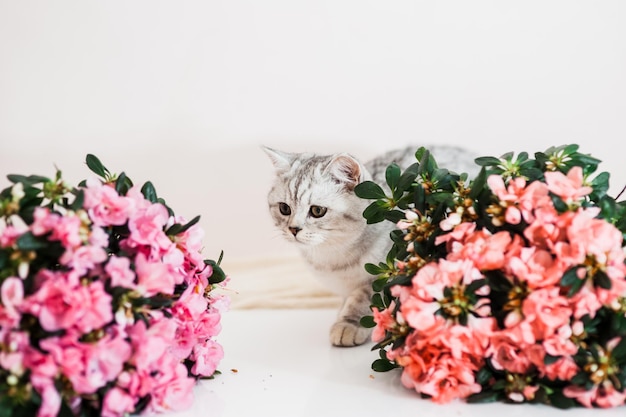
[{"x": 339, "y": 243}]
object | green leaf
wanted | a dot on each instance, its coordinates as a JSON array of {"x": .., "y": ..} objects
[
  {"x": 368, "y": 322},
  {"x": 178, "y": 228},
  {"x": 157, "y": 301},
  {"x": 373, "y": 269},
  {"x": 619, "y": 352},
  {"x": 498, "y": 281},
  {"x": 218, "y": 274},
  {"x": 408, "y": 177},
  {"x": 123, "y": 184},
  {"x": 369, "y": 190},
  {"x": 478, "y": 185},
  {"x": 189, "y": 224},
  {"x": 78, "y": 201},
  {"x": 377, "y": 301},
  {"x": 549, "y": 359},
  {"x": 29, "y": 242},
  {"x": 4, "y": 257},
  {"x": 578, "y": 284},
  {"x": 419, "y": 199},
  {"x": 485, "y": 396},
  {"x": 600, "y": 183},
  {"x": 585, "y": 159},
  {"x": 6, "y": 405},
  {"x": 475, "y": 285},
  {"x": 559, "y": 400},
  {"x": 394, "y": 216},
  {"x": 580, "y": 378},
  {"x": 27, "y": 180},
  {"x": 392, "y": 175},
  {"x": 374, "y": 213},
  {"x": 487, "y": 161},
  {"x": 149, "y": 192},
  {"x": 570, "y": 277},
  {"x": 379, "y": 284},
  {"x": 483, "y": 375},
  {"x": 618, "y": 325},
  {"x": 559, "y": 204},
  {"x": 383, "y": 365},
  {"x": 96, "y": 166},
  {"x": 602, "y": 280}
]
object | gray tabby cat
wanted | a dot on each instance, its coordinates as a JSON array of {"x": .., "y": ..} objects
[{"x": 313, "y": 203}]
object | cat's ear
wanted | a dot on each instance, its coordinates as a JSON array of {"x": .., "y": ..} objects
[
  {"x": 281, "y": 160},
  {"x": 346, "y": 170}
]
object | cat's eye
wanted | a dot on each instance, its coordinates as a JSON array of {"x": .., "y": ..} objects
[
  {"x": 317, "y": 211},
  {"x": 284, "y": 208}
]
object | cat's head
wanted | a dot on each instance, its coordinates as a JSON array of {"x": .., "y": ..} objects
[{"x": 312, "y": 200}]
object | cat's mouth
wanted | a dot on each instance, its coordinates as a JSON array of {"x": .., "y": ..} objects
[{"x": 296, "y": 239}]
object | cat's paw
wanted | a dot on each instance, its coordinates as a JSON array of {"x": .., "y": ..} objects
[{"x": 345, "y": 334}]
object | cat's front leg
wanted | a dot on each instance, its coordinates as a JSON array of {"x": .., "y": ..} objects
[{"x": 347, "y": 330}]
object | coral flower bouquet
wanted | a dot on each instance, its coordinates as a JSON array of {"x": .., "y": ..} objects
[
  {"x": 506, "y": 287},
  {"x": 107, "y": 307}
]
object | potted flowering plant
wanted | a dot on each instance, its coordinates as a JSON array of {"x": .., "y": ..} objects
[
  {"x": 509, "y": 287},
  {"x": 107, "y": 307}
]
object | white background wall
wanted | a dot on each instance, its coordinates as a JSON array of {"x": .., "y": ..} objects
[{"x": 183, "y": 92}]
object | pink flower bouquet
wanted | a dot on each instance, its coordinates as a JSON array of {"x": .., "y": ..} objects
[
  {"x": 107, "y": 307},
  {"x": 510, "y": 287}
]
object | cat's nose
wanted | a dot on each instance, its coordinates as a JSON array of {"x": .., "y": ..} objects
[{"x": 294, "y": 230}]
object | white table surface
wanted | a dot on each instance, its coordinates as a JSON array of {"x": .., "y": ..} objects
[{"x": 279, "y": 363}]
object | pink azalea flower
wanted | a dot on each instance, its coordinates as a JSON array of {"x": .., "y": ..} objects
[
  {"x": 42, "y": 366},
  {"x": 384, "y": 321},
  {"x": 571, "y": 187},
  {"x": 547, "y": 310},
  {"x": 450, "y": 380},
  {"x": 146, "y": 227},
  {"x": 88, "y": 366},
  {"x": 44, "y": 221},
  {"x": 83, "y": 258},
  {"x": 150, "y": 344},
  {"x": 508, "y": 353},
  {"x": 485, "y": 250},
  {"x": 12, "y": 295},
  {"x": 596, "y": 237},
  {"x": 62, "y": 306},
  {"x": 585, "y": 302},
  {"x": 153, "y": 277},
  {"x": 98, "y": 237},
  {"x": 544, "y": 231},
  {"x": 534, "y": 198},
  {"x": 97, "y": 312},
  {"x": 12, "y": 357},
  {"x": 117, "y": 402},
  {"x": 105, "y": 206},
  {"x": 458, "y": 234},
  {"x": 120, "y": 273},
  {"x": 536, "y": 267},
  {"x": 50, "y": 398},
  {"x": 57, "y": 304},
  {"x": 67, "y": 230},
  {"x": 604, "y": 396},
  {"x": 173, "y": 388},
  {"x": 563, "y": 369},
  {"x": 509, "y": 195},
  {"x": 207, "y": 356}
]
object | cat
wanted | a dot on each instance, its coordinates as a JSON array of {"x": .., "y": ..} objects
[{"x": 312, "y": 201}]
